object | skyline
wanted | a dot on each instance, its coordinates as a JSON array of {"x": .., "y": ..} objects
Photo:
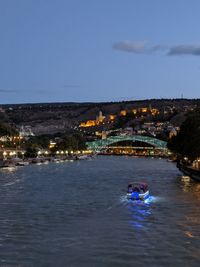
[{"x": 98, "y": 51}]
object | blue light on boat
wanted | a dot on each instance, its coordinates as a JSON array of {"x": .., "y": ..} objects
[{"x": 135, "y": 196}]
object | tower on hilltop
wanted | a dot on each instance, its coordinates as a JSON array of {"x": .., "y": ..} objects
[{"x": 100, "y": 117}]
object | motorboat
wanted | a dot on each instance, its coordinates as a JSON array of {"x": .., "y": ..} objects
[
  {"x": 137, "y": 191},
  {"x": 81, "y": 157},
  {"x": 22, "y": 163}
]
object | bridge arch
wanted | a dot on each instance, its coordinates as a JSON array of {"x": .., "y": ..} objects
[{"x": 99, "y": 145}]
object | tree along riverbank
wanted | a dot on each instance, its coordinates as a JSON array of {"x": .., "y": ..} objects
[{"x": 186, "y": 145}]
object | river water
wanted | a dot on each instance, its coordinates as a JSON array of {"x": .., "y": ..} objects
[{"x": 77, "y": 214}]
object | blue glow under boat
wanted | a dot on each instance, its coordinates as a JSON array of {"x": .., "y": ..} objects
[{"x": 137, "y": 191}]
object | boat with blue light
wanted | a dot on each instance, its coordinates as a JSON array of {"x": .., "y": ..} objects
[{"x": 137, "y": 191}]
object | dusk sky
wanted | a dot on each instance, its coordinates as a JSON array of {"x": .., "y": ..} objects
[{"x": 98, "y": 50}]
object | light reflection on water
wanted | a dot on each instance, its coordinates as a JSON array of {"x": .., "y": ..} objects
[
  {"x": 139, "y": 213},
  {"x": 9, "y": 169},
  {"x": 139, "y": 210},
  {"x": 190, "y": 186}
]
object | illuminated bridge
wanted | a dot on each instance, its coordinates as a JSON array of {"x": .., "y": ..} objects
[{"x": 103, "y": 144}]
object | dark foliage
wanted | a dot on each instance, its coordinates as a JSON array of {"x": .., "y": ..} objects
[
  {"x": 121, "y": 121},
  {"x": 41, "y": 141},
  {"x": 71, "y": 142},
  {"x": 8, "y": 130},
  {"x": 187, "y": 142},
  {"x": 31, "y": 152}
]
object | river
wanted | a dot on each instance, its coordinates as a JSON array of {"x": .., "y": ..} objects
[{"x": 77, "y": 214}]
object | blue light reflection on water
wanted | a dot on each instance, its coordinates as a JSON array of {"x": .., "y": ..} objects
[{"x": 139, "y": 210}]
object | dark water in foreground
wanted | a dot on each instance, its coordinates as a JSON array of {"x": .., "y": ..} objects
[{"x": 76, "y": 214}]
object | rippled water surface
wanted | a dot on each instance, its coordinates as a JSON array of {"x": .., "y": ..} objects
[{"x": 76, "y": 214}]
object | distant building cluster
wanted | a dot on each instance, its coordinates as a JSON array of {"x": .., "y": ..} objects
[
  {"x": 150, "y": 129},
  {"x": 154, "y": 129},
  {"x": 100, "y": 119},
  {"x": 137, "y": 113},
  {"x": 2, "y": 110},
  {"x": 25, "y": 131},
  {"x": 139, "y": 127}
]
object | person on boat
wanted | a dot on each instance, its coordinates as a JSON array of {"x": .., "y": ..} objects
[
  {"x": 142, "y": 188},
  {"x": 130, "y": 188},
  {"x": 136, "y": 189}
]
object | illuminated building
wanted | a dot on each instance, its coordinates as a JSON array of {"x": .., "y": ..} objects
[
  {"x": 112, "y": 117},
  {"x": 52, "y": 144},
  {"x": 5, "y": 138},
  {"x": 154, "y": 111},
  {"x": 89, "y": 123},
  {"x": 100, "y": 118},
  {"x": 2, "y": 110},
  {"x": 144, "y": 110},
  {"x": 134, "y": 111},
  {"x": 102, "y": 134},
  {"x": 25, "y": 131},
  {"x": 98, "y": 133},
  {"x": 123, "y": 112},
  {"x": 172, "y": 133},
  {"x": 196, "y": 163}
]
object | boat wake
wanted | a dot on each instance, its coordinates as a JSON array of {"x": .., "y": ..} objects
[
  {"x": 149, "y": 200},
  {"x": 11, "y": 183}
]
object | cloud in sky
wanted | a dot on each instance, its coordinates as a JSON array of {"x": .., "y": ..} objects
[
  {"x": 144, "y": 48},
  {"x": 7, "y": 91},
  {"x": 137, "y": 47},
  {"x": 132, "y": 47},
  {"x": 180, "y": 50}
]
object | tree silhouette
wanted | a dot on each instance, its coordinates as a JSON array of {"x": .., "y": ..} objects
[{"x": 187, "y": 142}]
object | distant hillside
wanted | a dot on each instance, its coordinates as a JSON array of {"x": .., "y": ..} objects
[{"x": 59, "y": 117}]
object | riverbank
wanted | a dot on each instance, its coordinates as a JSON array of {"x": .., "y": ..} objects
[
  {"x": 39, "y": 160},
  {"x": 190, "y": 171}
]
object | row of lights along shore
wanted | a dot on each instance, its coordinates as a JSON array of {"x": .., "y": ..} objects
[
  {"x": 59, "y": 152},
  {"x": 74, "y": 152}
]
